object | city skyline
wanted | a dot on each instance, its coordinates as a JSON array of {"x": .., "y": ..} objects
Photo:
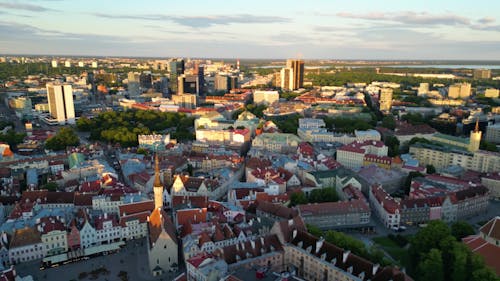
[{"x": 277, "y": 29}]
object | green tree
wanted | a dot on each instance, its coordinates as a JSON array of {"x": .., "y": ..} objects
[
  {"x": 298, "y": 198},
  {"x": 84, "y": 124},
  {"x": 484, "y": 274},
  {"x": 413, "y": 118},
  {"x": 389, "y": 122},
  {"x": 430, "y": 169},
  {"x": 51, "y": 186},
  {"x": 431, "y": 268},
  {"x": 64, "y": 138},
  {"x": 314, "y": 230},
  {"x": 488, "y": 146},
  {"x": 12, "y": 138},
  {"x": 459, "y": 263},
  {"x": 461, "y": 229},
  {"x": 392, "y": 143},
  {"x": 327, "y": 194},
  {"x": 190, "y": 169},
  {"x": 418, "y": 140},
  {"x": 427, "y": 239}
]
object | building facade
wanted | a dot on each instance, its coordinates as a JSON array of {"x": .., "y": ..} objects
[{"x": 61, "y": 106}]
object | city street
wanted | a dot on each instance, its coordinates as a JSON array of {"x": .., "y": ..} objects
[{"x": 132, "y": 259}]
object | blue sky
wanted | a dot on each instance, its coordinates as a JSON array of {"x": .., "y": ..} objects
[{"x": 404, "y": 29}]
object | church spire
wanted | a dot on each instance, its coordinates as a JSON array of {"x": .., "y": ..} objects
[
  {"x": 157, "y": 186},
  {"x": 477, "y": 126},
  {"x": 157, "y": 181}
]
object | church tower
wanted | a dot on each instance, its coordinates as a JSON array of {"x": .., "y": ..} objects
[
  {"x": 475, "y": 138},
  {"x": 158, "y": 186}
]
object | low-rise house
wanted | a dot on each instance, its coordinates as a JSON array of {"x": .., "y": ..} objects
[
  {"x": 492, "y": 182},
  {"x": 108, "y": 230},
  {"x": 316, "y": 259},
  {"x": 264, "y": 251},
  {"x": 53, "y": 235},
  {"x": 356, "y": 154},
  {"x": 133, "y": 219},
  {"x": 343, "y": 214},
  {"x": 276, "y": 142},
  {"x": 88, "y": 234},
  {"x": 203, "y": 267},
  {"x": 275, "y": 211},
  {"x": 385, "y": 207},
  {"x": 26, "y": 245}
]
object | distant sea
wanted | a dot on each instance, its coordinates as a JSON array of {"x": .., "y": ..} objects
[
  {"x": 447, "y": 66},
  {"x": 443, "y": 66}
]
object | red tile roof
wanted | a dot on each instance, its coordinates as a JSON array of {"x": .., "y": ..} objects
[
  {"x": 198, "y": 215},
  {"x": 91, "y": 187},
  {"x": 389, "y": 203},
  {"x": 194, "y": 201},
  {"x": 488, "y": 251},
  {"x": 139, "y": 207},
  {"x": 159, "y": 221},
  {"x": 199, "y": 259},
  {"x": 141, "y": 217},
  {"x": 492, "y": 228},
  {"x": 277, "y": 210},
  {"x": 48, "y": 224}
]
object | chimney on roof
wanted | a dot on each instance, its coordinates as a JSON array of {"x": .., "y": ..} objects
[
  {"x": 319, "y": 244},
  {"x": 375, "y": 268},
  {"x": 345, "y": 255}
]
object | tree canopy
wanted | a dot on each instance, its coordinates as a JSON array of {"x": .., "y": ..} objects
[
  {"x": 64, "y": 138},
  {"x": 436, "y": 254},
  {"x": 123, "y": 127}
]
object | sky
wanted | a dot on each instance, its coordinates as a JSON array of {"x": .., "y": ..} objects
[{"x": 308, "y": 29}]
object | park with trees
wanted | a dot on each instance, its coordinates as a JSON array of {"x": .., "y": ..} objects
[{"x": 124, "y": 127}]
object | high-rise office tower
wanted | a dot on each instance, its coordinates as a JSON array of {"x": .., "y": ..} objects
[
  {"x": 297, "y": 67},
  {"x": 292, "y": 76},
  {"x": 385, "y": 99},
  {"x": 221, "y": 82},
  {"x": 146, "y": 80},
  {"x": 133, "y": 86},
  {"x": 460, "y": 90},
  {"x": 176, "y": 69},
  {"x": 199, "y": 72},
  {"x": 482, "y": 73},
  {"x": 61, "y": 106},
  {"x": 286, "y": 77},
  {"x": 423, "y": 89}
]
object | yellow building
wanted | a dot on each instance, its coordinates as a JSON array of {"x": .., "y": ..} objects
[
  {"x": 459, "y": 90},
  {"x": 385, "y": 99}
]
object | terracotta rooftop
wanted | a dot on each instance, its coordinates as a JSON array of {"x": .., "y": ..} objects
[
  {"x": 487, "y": 250},
  {"x": 198, "y": 215},
  {"x": 278, "y": 210},
  {"x": 194, "y": 201},
  {"x": 138, "y": 207},
  {"x": 251, "y": 249},
  {"x": 159, "y": 221},
  {"x": 141, "y": 217},
  {"x": 389, "y": 204},
  {"x": 492, "y": 228},
  {"x": 49, "y": 224},
  {"x": 25, "y": 236}
]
